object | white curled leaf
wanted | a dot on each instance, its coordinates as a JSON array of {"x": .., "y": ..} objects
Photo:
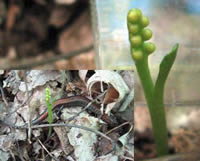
[{"x": 109, "y": 77}]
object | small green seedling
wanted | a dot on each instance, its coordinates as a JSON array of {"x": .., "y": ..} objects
[
  {"x": 49, "y": 107},
  {"x": 154, "y": 93}
]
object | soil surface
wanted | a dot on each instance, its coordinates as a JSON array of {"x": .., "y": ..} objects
[
  {"x": 183, "y": 132},
  {"x": 38, "y": 30}
]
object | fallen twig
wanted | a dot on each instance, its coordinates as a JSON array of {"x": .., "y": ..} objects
[
  {"x": 63, "y": 125},
  {"x": 66, "y": 56},
  {"x": 47, "y": 150}
]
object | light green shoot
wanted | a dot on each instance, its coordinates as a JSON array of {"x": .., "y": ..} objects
[{"x": 49, "y": 107}]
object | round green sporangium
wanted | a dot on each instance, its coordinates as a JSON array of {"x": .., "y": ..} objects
[
  {"x": 133, "y": 28},
  {"x": 137, "y": 55},
  {"x": 144, "y": 21},
  {"x": 146, "y": 34},
  {"x": 134, "y": 15},
  {"x": 136, "y": 40},
  {"x": 149, "y": 47}
]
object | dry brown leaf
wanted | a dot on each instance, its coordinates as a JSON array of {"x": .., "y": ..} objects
[{"x": 111, "y": 95}]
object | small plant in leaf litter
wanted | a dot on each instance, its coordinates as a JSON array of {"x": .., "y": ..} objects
[{"x": 49, "y": 107}]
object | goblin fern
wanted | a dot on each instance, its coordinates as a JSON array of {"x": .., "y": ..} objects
[
  {"x": 154, "y": 93},
  {"x": 49, "y": 107}
]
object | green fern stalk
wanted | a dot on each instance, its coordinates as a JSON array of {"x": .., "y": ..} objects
[
  {"x": 49, "y": 107},
  {"x": 154, "y": 94}
]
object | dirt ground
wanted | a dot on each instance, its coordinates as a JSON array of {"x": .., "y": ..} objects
[
  {"x": 183, "y": 132},
  {"x": 44, "y": 33}
]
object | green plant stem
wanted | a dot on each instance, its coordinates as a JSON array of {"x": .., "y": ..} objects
[
  {"x": 159, "y": 124},
  {"x": 50, "y": 118},
  {"x": 156, "y": 107},
  {"x": 145, "y": 78}
]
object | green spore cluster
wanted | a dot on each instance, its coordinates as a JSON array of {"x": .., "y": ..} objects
[{"x": 139, "y": 34}]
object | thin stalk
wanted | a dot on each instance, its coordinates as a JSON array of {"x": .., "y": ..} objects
[
  {"x": 159, "y": 124},
  {"x": 146, "y": 79},
  {"x": 156, "y": 107}
]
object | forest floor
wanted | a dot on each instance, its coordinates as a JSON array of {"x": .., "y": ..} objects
[{"x": 44, "y": 34}]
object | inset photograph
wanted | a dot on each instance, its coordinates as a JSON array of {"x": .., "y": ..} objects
[{"x": 66, "y": 115}]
